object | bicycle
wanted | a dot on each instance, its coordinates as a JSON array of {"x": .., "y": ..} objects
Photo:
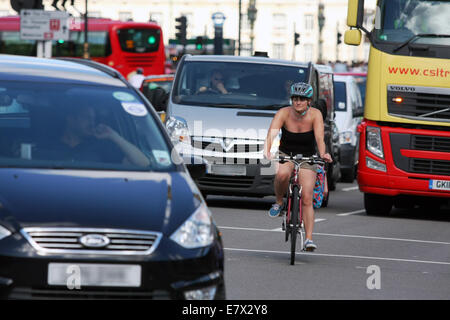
[{"x": 293, "y": 223}]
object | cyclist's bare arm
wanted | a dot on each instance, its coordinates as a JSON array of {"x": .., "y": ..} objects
[{"x": 275, "y": 126}]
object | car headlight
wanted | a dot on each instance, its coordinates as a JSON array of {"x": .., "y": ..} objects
[
  {"x": 374, "y": 144},
  {"x": 345, "y": 137},
  {"x": 178, "y": 130},
  {"x": 4, "y": 232},
  {"x": 196, "y": 231}
]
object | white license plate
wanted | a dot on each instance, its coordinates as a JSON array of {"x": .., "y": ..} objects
[
  {"x": 439, "y": 185},
  {"x": 98, "y": 275},
  {"x": 228, "y": 170}
]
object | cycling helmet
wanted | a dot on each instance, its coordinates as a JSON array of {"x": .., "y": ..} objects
[{"x": 302, "y": 89}]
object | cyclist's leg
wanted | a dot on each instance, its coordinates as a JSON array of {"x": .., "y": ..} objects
[
  {"x": 281, "y": 182},
  {"x": 308, "y": 181}
]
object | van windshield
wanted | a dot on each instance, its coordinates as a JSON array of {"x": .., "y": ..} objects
[{"x": 236, "y": 85}]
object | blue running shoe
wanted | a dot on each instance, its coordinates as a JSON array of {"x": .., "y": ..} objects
[
  {"x": 309, "y": 245},
  {"x": 275, "y": 210}
]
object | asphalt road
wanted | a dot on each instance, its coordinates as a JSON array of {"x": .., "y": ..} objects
[{"x": 403, "y": 256}]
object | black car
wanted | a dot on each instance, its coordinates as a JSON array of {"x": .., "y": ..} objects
[{"x": 93, "y": 204}]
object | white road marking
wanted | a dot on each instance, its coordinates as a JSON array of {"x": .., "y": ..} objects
[
  {"x": 350, "y": 213},
  {"x": 342, "y": 256},
  {"x": 316, "y": 220},
  {"x": 341, "y": 235},
  {"x": 350, "y": 188}
]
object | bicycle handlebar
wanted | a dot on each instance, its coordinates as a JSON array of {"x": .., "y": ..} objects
[{"x": 298, "y": 158}]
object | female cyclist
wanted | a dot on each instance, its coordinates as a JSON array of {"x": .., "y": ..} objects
[{"x": 302, "y": 130}]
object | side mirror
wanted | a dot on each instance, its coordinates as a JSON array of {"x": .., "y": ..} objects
[
  {"x": 358, "y": 112},
  {"x": 355, "y": 13},
  {"x": 353, "y": 37}
]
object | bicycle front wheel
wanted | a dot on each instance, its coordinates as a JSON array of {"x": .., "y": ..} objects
[{"x": 295, "y": 202}]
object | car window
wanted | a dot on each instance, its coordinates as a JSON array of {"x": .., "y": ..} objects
[
  {"x": 164, "y": 84},
  {"x": 340, "y": 96},
  {"x": 74, "y": 126},
  {"x": 247, "y": 85}
]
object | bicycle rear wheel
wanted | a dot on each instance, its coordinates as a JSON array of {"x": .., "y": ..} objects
[{"x": 294, "y": 221}]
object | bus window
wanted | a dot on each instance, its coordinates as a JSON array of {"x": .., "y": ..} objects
[
  {"x": 99, "y": 45},
  {"x": 10, "y": 43},
  {"x": 139, "y": 40}
]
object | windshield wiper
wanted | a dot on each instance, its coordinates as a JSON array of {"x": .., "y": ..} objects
[
  {"x": 230, "y": 105},
  {"x": 275, "y": 106},
  {"x": 421, "y": 35}
]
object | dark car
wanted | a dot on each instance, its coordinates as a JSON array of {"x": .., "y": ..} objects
[
  {"x": 92, "y": 202},
  {"x": 156, "y": 88}
]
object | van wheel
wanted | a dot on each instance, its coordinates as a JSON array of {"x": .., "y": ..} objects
[{"x": 377, "y": 205}]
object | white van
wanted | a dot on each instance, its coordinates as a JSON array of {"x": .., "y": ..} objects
[
  {"x": 348, "y": 108},
  {"x": 227, "y": 125}
]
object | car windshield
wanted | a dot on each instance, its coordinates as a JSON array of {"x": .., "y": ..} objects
[
  {"x": 236, "y": 85},
  {"x": 75, "y": 126},
  {"x": 400, "y": 20},
  {"x": 361, "y": 82}
]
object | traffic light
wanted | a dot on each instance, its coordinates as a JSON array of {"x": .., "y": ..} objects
[
  {"x": 339, "y": 35},
  {"x": 63, "y": 4},
  {"x": 199, "y": 42},
  {"x": 18, "y": 5},
  {"x": 181, "y": 34},
  {"x": 296, "y": 38}
]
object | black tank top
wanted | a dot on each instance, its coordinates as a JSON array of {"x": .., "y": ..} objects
[{"x": 293, "y": 143}]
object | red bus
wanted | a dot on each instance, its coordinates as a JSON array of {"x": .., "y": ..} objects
[{"x": 124, "y": 46}]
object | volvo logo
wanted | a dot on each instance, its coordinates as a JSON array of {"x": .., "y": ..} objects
[
  {"x": 94, "y": 241},
  {"x": 402, "y": 88}
]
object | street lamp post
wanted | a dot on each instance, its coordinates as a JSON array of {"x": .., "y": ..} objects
[
  {"x": 239, "y": 33},
  {"x": 321, "y": 18},
  {"x": 251, "y": 14},
  {"x": 86, "y": 43},
  {"x": 218, "y": 19}
]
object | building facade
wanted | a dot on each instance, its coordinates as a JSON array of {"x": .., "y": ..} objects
[{"x": 273, "y": 29}]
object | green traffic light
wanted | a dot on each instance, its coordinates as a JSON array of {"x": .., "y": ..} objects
[
  {"x": 61, "y": 41},
  {"x": 152, "y": 40},
  {"x": 199, "y": 47}
]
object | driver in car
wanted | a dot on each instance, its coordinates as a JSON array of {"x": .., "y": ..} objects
[{"x": 216, "y": 84}]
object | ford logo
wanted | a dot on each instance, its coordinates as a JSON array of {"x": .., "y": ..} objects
[{"x": 94, "y": 241}]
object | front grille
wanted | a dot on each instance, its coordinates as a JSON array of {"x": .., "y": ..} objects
[
  {"x": 431, "y": 143},
  {"x": 224, "y": 151},
  {"x": 241, "y": 147},
  {"x": 420, "y": 103},
  {"x": 68, "y": 240},
  {"x": 427, "y": 166},
  {"x": 226, "y": 181},
  {"x": 401, "y": 141},
  {"x": 28, "y": 293},
  {"x": 139, "y": 61},
  {"x": 224, "y": 160}
]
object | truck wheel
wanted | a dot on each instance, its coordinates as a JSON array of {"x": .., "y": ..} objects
[{"x": 377, "y": 205}]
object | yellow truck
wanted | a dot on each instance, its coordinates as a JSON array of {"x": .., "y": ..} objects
[{"x": 404, "y": 154}]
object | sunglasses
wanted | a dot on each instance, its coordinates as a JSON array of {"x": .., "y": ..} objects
[{"x": 296, "y": 98}]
